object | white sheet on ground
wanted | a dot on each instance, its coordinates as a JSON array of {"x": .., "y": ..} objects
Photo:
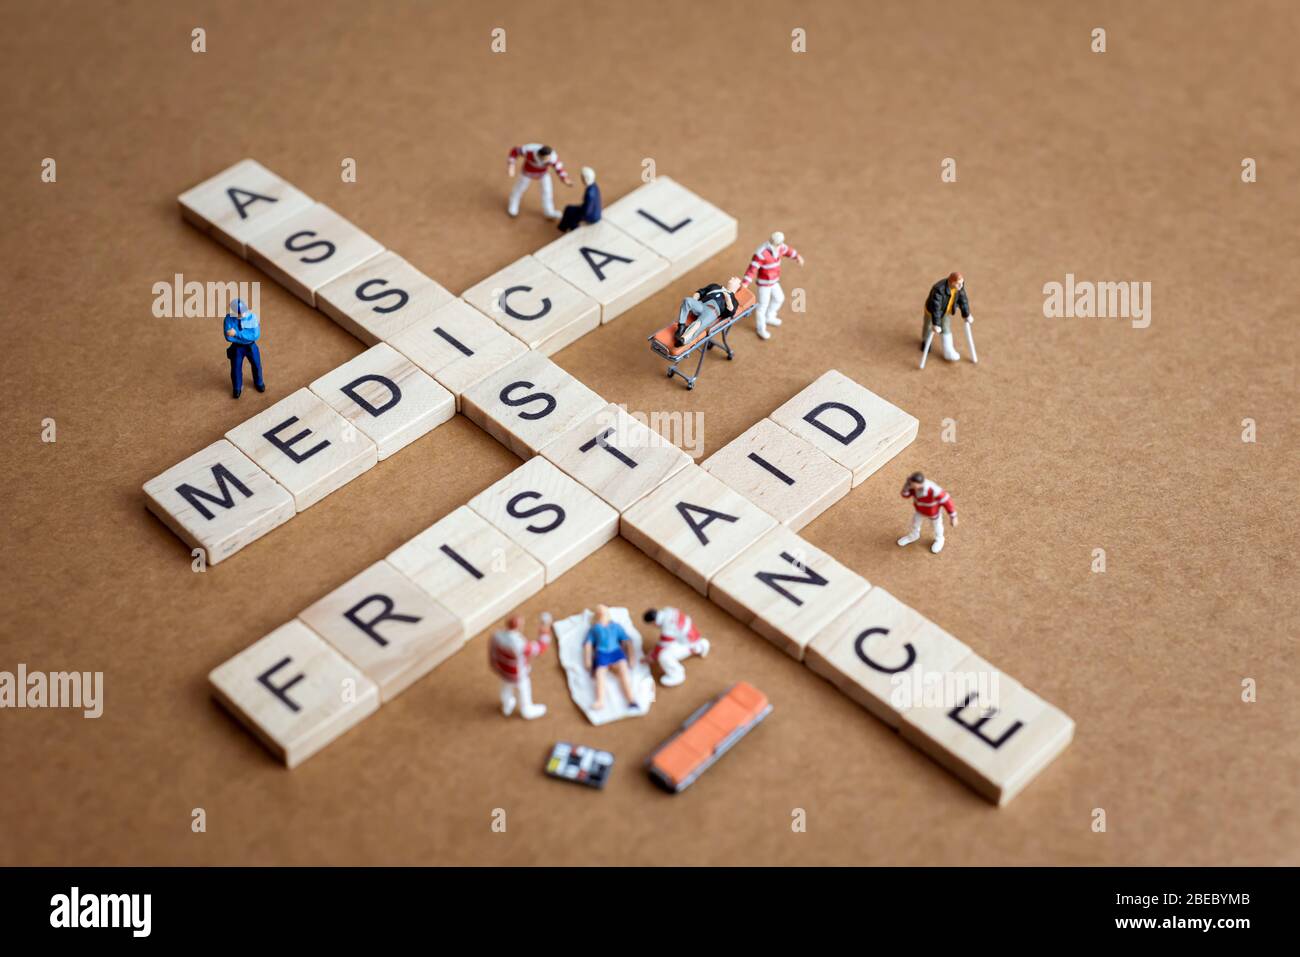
[{"x": 570, "y": 635}]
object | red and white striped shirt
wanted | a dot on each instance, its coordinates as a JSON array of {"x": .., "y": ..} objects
[
  {"x": 929, "y": 498},
  {"x": 534, "y": 166},
  {"x": 766, "y": 264},
  {"x": 509, "y": 653},
  {"x": 674, "y": 626}
]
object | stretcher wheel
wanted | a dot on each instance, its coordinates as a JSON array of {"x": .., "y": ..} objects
[
  {"x": 690, "y": 386},
  {"x": 670, "y": 373}
]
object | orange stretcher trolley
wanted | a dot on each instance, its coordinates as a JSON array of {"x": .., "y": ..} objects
[
  {"x": 665, "y": 344},
  {"x": 707, "y": 735}
]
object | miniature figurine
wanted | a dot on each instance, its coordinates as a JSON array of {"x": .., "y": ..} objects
[
  {"x": 608, "y": 646},
  {"x": 242, "y": 330},
  {"x": 589, "y": 211},
  {"x": 538, "y": 162},
  {"x": 766, "y": 265},
  {"x": 947, "y": 296},
  {"x": 511, "y": 655},
  {"x": 707, "y": 306},
  {"x": 927, "y": 498},
  {"x": 678, "y": 640}
]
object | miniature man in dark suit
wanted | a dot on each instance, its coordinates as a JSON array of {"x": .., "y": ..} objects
[
  {"x": 947, "y": 297},
  {"x": 589, "y": 211}
]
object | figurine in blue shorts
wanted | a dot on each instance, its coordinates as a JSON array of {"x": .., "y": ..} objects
[{"x": 608, "y": 646}]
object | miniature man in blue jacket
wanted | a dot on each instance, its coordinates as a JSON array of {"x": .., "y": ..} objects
[
  {"x": 589, "y": 211},
  {"x": 242, "y": 330},
  {"x": 608, "y": 647}
]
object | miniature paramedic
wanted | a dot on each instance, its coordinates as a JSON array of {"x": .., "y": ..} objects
[
  {"x": 678, "y": 640},
  {"x": 242, "y": 330},
  {"x": 511, "y": 655},
  {"x": 766, "y": 265},
  {"x": 589, "y": 211},
  {"x": 608, "y": 646},
  {"x": 707, "y": 306},
  {"x": 927, "y": 498},
  {"x": 947, "y": 297},
  {"x": 538, "y": 162}
]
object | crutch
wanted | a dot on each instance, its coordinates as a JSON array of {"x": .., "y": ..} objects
[
  {"x": 970, "y": 341},
  {"x": 925, "y": 353}
]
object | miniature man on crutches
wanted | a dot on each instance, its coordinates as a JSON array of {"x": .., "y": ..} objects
[
  {"x": 928, "y": 499},
  {"x": 538, "y": 162},
  {"x": 766, "y": 265},
  {"x": 678, "y": 640},
  {"x": 511, "y": 655},
  {"x": 947, "y": 296}
]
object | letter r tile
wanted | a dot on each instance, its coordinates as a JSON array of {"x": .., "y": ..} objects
[{"x": 851, "y": 424}]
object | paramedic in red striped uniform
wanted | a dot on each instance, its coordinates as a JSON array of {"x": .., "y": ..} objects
[
  {"x": 928, "y": 499},
  {"x": 766, "y": 265},
  {"x": 538, "y": 162},
  {"x": 678, "y": 640},
  {"x": 510, "y": 655}
]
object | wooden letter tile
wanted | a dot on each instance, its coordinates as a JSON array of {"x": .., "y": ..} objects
[
  {"x": 309, "y": 249},
  {"x": 241, "y": 202},
  {"x": 780, "y": 473},
  {"x": 616, "y": 456},
  {"x": 786, "y": 590},
  {"x": 471, "y": 567},
  {"x": 218, "y": 500},
  {"x": 876, "y": 647},
  {"x": 386, "y": 397},
  {"x": 988, "y": 729},
  {"x": 535, "y": 305},
  {"x": 305, "y": 446},
  {"x": 608, "y": 265},
  {"x": 386, "y": 626},
  {"x": 555, "y": 519},
  {"x": 381, "y": 297},
  {"x": 853, "y": 425},
  {"x": 673, "y": 222},
  {"x": 458, "y": 346},
  {"x": 694, "y": 525},
  {"x": 529, "y": 403},
  {"x": 294, "y": 691}
]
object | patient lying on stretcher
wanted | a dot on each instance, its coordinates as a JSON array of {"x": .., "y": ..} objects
[{"x": 709, "y": 305}]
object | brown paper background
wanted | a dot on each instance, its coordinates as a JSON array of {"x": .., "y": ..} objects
[{"x": 1072, "y": 434}]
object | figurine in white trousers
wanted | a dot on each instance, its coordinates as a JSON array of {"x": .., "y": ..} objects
[
  {"x": 548, "y": 196},
  {"x": 510, "y": 654},
  {"x": 678, "y": 640},
  {"x": 765, "y": 267}
]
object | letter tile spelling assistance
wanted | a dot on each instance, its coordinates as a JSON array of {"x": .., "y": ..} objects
[
  {"x": 387, "y": 626},
  {"x": 381, "y": 297},
  {"x": 305, "y": 446},
  {"x": 529, "y": 403},
  {"x": 694, "y": 525},
  {"x": 876, "y": 649},
  {"x": 553, "y": 517},
  {"x": 673, "y": 222},
  {"x": 535, "y": 305},
  {"x": 470, "y": 567},
  {"x": 851, "y": 424},
  {"x": 386, "y": 397},
  {"x": 989, "y": 730},
  {"x": 786, "y": 590},
  {"x": 218, "y": 500},
  {"x": 458, "y": 346},
  {"x": 608, "y": 265},
  {"x": 780, "y": 473},
  {"x": 310, "y": 249},
  {"x": 240, "y": 202},
  {"x": 616, "y": 456},
  {"x": 294, "y": 692}
]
